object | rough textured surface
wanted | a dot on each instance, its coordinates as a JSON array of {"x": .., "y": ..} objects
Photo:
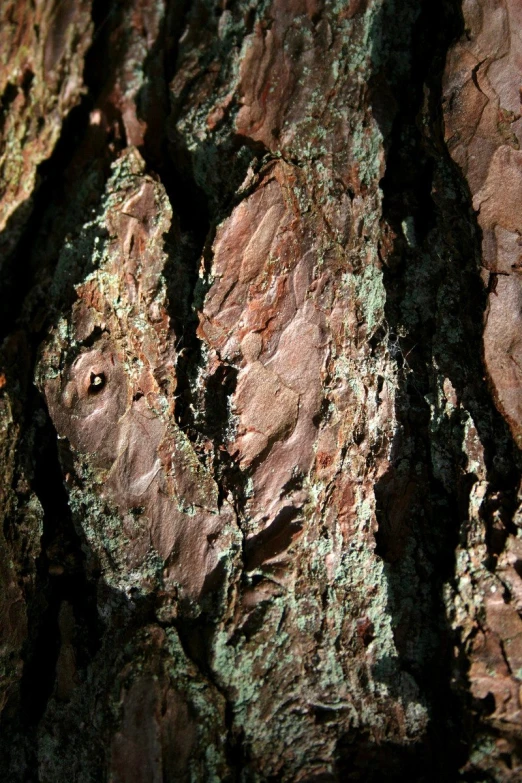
[
  {"x": 260, "y": 399},
  {"x": 43, "y": 48},
  {"x": 483, "y": 132},
  {"x": 109, "y": 380}
]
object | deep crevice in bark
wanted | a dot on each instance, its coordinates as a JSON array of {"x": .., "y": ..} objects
[
  {"x": 61, "y": 578},
  {"x": 416, "y": 160},
  {"x": 190, "y": 240},
  {"x": 423, "y": 221},
  {"x": 61, "y": 574},
  {"x": 25, "y": 266}
]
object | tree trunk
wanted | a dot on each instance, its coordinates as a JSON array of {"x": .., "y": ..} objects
[{"x": 260, "y": 396}]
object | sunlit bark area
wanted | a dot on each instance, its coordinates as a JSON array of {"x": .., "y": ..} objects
[{"x": 260, "y": 391}]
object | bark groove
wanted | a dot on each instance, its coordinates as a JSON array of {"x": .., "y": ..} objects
[{"x": 259, "y": 391}]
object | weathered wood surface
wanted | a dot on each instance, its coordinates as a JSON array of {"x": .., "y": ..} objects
[{"x": 260, "y": 392}]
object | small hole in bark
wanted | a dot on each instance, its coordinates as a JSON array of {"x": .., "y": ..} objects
[
  {"x": 212, "y": 538},
  {"x": 97, "y": 382}
]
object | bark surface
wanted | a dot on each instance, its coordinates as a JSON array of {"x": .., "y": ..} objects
[{"x": 260, "y": 391}]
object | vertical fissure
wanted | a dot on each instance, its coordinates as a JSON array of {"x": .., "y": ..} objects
[{"x": 433, "y": 290}]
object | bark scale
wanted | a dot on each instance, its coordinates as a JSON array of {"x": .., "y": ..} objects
[{"x": 260, "y": 491}]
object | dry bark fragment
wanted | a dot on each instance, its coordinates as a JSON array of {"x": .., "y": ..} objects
[{"x": 109, "y": 380}]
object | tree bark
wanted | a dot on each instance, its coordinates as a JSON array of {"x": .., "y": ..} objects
[{"x": 260, "y": 391}]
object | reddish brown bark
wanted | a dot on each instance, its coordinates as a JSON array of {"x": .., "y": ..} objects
[{"x": 260, "y": 490}]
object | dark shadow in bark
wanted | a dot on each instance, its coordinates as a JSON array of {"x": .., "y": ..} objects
[
  {"x": 34, "y": 293},
  {"x": 203, "y": 412},
  {"x": 363, "y": 760},
  {"x": 68, "y": 186},
  {"x": 61, "y": 578},
  {"x": 27, "y": 264},
  {"x": 433, "y": 328},
  {"x": 201, "y": 184}
]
